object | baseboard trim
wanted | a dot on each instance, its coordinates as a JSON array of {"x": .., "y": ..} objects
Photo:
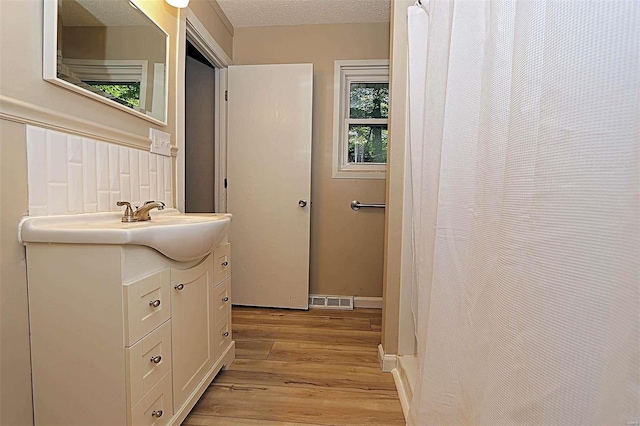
[
  {"x": 404, "y": 375},
  {"x": 367, "y": 302},
  {"x": 402, "y": 394},
  {"x": 387, "y": 361}
]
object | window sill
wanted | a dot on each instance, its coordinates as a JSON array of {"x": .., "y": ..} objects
[{"x": 360, "y": 174}]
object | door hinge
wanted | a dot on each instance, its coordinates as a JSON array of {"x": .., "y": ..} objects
[
  {"x": 226, "y": 95},
  {"x": 225, "y": 183}
]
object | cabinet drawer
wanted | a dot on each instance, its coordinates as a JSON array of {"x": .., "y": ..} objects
[
  {"x": 222, "y": 301},
  {"x": 155, "y": 408},
  {"x": 221, "y": 263},
  {"x": 223, "y": 335},
  {"x": 147, "y": 304},
  {"x": 147, "y": 362}
]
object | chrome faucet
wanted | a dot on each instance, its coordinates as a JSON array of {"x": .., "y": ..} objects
[{"x": 142, "y": 213}]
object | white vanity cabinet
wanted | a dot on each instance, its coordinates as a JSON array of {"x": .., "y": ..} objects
[{"x": 122, "y": 335}]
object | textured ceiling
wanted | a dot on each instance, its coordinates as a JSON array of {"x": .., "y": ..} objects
[
  {"x": 261, "y": 13},
  {"x": 97, "y": 13}
]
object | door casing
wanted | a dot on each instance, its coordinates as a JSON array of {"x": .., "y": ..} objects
[{"x": 193, "y": 30}]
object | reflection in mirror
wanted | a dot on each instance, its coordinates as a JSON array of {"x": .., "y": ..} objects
[{"x": 112, "y": 49}]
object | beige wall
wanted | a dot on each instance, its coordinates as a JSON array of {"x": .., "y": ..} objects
[
  {"x": 346, "y": 246},
  {"x": 26, "y": 97},
  {"x": 114, "y": 43},
  {"x": 15, "y": 362}
]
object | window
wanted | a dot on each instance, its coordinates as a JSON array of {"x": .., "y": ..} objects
[
  {"x": 127, "y": 94},
  {"x": 360, "y": 119},
  {"x": 122, "y": 81}
]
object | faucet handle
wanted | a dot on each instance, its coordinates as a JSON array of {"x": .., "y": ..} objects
[{"x": 128, "y": 212}]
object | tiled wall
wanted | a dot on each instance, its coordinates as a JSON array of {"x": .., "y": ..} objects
[{"x": 72, "y": 174}]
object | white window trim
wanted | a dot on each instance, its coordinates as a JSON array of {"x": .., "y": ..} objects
[
  {"x": 346, "y": 71},
  {"x": 112, "y": 70}
]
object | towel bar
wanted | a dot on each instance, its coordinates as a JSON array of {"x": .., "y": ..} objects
[{"x": 357, "y": 205}]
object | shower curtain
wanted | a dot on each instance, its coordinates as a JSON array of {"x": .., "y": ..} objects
[{"x": 525, "y": 134}]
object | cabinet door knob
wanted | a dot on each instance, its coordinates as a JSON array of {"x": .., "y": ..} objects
[
  {"x": 225, "y": 264},
  {"x": 225, "y": 334},
  {"x": 156, "y": 359},
  {"x": 179, "y": 287},
  {"x": 225, "y": 299},
  {"x": 157, "y": 414},
  {"x": 155, "y": 303}
]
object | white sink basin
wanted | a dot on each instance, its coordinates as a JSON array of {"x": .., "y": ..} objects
[{"x": 178, "y": 236}]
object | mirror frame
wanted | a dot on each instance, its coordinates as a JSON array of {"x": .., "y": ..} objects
[{"x": 50, "y": 72}]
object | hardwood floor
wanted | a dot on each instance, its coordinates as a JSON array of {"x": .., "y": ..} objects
[{"x": 315, "y": 367}]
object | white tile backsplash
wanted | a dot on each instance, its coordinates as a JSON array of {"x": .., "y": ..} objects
[
  {"x": 74, "y": 150},
  {"x": 70, "y": 174},
  {"x": 37, "y": 161},
  {"x": 57, "y": 154},
  {"x": 125, "y": 187},
  {"x": 160, "y": 177},
  {"x": 134, "y": 177},
  {"x": 124, "y": 160},
  {"x": 144, "y": 168},
  {"x": 102, "y": 166},
  {"x": 114, "y": 168},
  {"x": 75, "y": 186},
  {"x": 89, "y": 179},
  {"x": 167, "y": 175},
  {"x": 58, "y": 198}
]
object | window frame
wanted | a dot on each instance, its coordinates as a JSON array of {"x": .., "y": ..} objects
[
  {"x": 345, "y": 73},
  {"x": 112, "y": 71}
]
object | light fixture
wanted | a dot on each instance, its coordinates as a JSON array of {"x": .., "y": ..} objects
[{"x": 178, "y": 3}]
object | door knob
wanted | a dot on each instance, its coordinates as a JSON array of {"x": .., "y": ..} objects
[{"x": 302, "y": 203}]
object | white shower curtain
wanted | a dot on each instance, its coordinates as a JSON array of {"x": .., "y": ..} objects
[{"x": 525, "y": 134}]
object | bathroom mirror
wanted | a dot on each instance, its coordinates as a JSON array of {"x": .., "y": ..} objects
[{"x": 110, "y": 51}]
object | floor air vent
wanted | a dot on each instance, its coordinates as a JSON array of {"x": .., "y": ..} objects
[{"x": 317, "y": 301}]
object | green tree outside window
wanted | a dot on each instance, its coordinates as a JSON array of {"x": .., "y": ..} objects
[{"x": 368, "y": 142}]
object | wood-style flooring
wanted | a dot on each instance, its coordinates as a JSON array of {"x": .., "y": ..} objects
[{"x": 315, "y": 367}]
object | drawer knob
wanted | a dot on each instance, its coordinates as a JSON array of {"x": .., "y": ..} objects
[
  {"x": 225, "y": 299},
  {"x": 225, "y": 334},
  {"x": 157, "y": 414},
  {"x": 179, "y": 287},
  {"x": 155, "y": 303},
  {"x": 156, "y": 359},
  {"x": 225, "y": 264}
]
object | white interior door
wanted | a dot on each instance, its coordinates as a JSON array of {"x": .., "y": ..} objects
[{"x": 269, "y": 183}]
